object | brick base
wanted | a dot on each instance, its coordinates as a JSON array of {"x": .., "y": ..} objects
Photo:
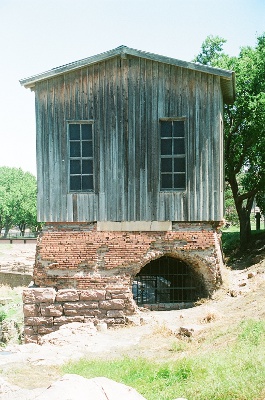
[{"x": 85, "y": 260}]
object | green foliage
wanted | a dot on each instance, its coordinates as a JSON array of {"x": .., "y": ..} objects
[
  {"x": 244, "y": 125},
  {"x": 211, "y": 51},
  {"x": 235, "y": 371},
  {"x": 3, "y": 314},
  {"x": 18, "y": 194}
]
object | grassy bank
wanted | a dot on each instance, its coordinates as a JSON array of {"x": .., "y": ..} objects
[
  {"x": 231, "y": 241},
  {"x": 233, "y": 371}
]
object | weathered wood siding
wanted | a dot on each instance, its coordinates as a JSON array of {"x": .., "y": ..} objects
[{"x": 126, "y": 97}]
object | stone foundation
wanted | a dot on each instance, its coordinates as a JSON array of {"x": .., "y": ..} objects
[
  {"x": 88, "y": 272},
  {"x": 46, "y": 309}
]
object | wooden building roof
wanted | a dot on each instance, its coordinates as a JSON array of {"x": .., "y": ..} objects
[{"x": 227, "y": 77}]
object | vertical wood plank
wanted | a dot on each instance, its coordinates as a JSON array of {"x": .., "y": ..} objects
[{"x": 126, "y": 97}]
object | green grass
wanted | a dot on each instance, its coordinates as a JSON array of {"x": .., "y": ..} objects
[
  {"x": 231, "y": 239},
  {"x": 234, "y": 372}
]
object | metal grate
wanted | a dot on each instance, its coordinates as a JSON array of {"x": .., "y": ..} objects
[{"x": 166, "y": 280}]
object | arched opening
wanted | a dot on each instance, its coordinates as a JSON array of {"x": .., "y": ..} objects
[{"x": 167, "y": 280}]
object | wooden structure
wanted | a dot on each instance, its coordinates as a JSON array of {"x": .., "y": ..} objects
[
  {"x": 125, "y": 98},
  {"x": 130, "y": 185}
]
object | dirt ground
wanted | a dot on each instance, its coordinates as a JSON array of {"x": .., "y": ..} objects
[
  {"x": 17, "y": 257},
  {"x": 156, "y": 336}
]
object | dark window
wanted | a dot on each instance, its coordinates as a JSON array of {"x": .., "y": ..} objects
[
  {"x": 81, "y": 157},
  {"x": 173, "y": 157}
]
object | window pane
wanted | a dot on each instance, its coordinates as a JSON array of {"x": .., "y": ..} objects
[
  {"x": 86, "y": 131},
  {"x": 179, "y": 164},
  {"x": 179, "y": 146},
  {"x": 166, "y": 181},
  {"x": 178, "y": 129},
  {"x": 81, "y": 157},
  {"x": 75, "y": 182},
  {"x": 74, "y": 131},
  {"x": 87, "y": 167},
  {"x": 75, "y": 149},
  {"x": 166, "y": 146},
  {"x": 179, "y": 181},
  {"x": 87, "y": 182},
  {"x": 87, "y": 148},
  {"x": 75, "y": 167},
  {"x": 166, "y": 164},
  {"x": 166, "y": 129}
]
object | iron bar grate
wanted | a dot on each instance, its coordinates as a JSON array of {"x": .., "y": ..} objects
[{"x": 166, "y": 280}]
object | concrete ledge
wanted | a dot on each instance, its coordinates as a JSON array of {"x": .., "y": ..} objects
[
  {"x": 14, "y": 279},
  {"x": 134, "y": 226}
]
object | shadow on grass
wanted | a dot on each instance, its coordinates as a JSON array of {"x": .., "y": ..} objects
[{"x": 238, "y": 259}]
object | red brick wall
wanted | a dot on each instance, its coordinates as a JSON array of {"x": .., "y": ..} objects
[{"x": 71, "y": 256}]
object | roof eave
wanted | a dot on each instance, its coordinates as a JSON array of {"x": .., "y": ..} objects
[
  {"x": 227, "y": 77},
  {"x": 228, "y": 89}
]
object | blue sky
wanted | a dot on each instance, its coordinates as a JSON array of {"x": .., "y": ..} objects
[{"x": 37, "y": 35}]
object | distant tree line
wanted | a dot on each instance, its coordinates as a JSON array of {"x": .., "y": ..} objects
[{"x": 18, "y": 200}]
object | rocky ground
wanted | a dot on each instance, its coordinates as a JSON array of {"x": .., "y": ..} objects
[
  {"x": 154, "y": 335},
  {"x": 17, "y": 257}
]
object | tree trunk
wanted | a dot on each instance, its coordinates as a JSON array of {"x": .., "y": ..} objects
[
  {"x": 243, "y": 205},
  {"x": 22, "y": 228},
  {"x": 7, "y": 228},
  {"x": 245, "y": 229}
]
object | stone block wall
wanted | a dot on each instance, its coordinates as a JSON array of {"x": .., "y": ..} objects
[{"x": 46, "y": 309}]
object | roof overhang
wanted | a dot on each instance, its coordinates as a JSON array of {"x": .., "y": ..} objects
[{"x": 227, "y": 77}]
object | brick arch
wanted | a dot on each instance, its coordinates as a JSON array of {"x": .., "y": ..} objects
[
  {"x": 168, "y": 280},
  {"x": 203, "y": 267}
]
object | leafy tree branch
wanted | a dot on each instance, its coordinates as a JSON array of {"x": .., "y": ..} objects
[{"x": 244, "y": 125}]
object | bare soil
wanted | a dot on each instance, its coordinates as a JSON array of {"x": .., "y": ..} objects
[
  {"x": 17, "y": 257},
  {"x": 211, "y": 323}
]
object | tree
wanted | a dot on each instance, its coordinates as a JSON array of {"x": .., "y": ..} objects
[
  {"x": 231, "y": 216},
  {"x": 18, "y": 192},
  {"x": 211, "y": 51},
  {"x": 244, "y": 125}
]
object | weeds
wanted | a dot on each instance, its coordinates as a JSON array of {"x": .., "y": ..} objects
[
  {"x": 12, "y": 307},
  {"x": 3, "y": 315},
  {"x": 11, "y": 314},
  {"x": 209, "y": 317},
  {"x": 178, "y": 346},
  {"x": 162, "y": 330}
]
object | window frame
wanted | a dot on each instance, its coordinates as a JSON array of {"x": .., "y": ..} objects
[
  {"x": 81, "y": 158},
  {"x": 173, "y": 155}
]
